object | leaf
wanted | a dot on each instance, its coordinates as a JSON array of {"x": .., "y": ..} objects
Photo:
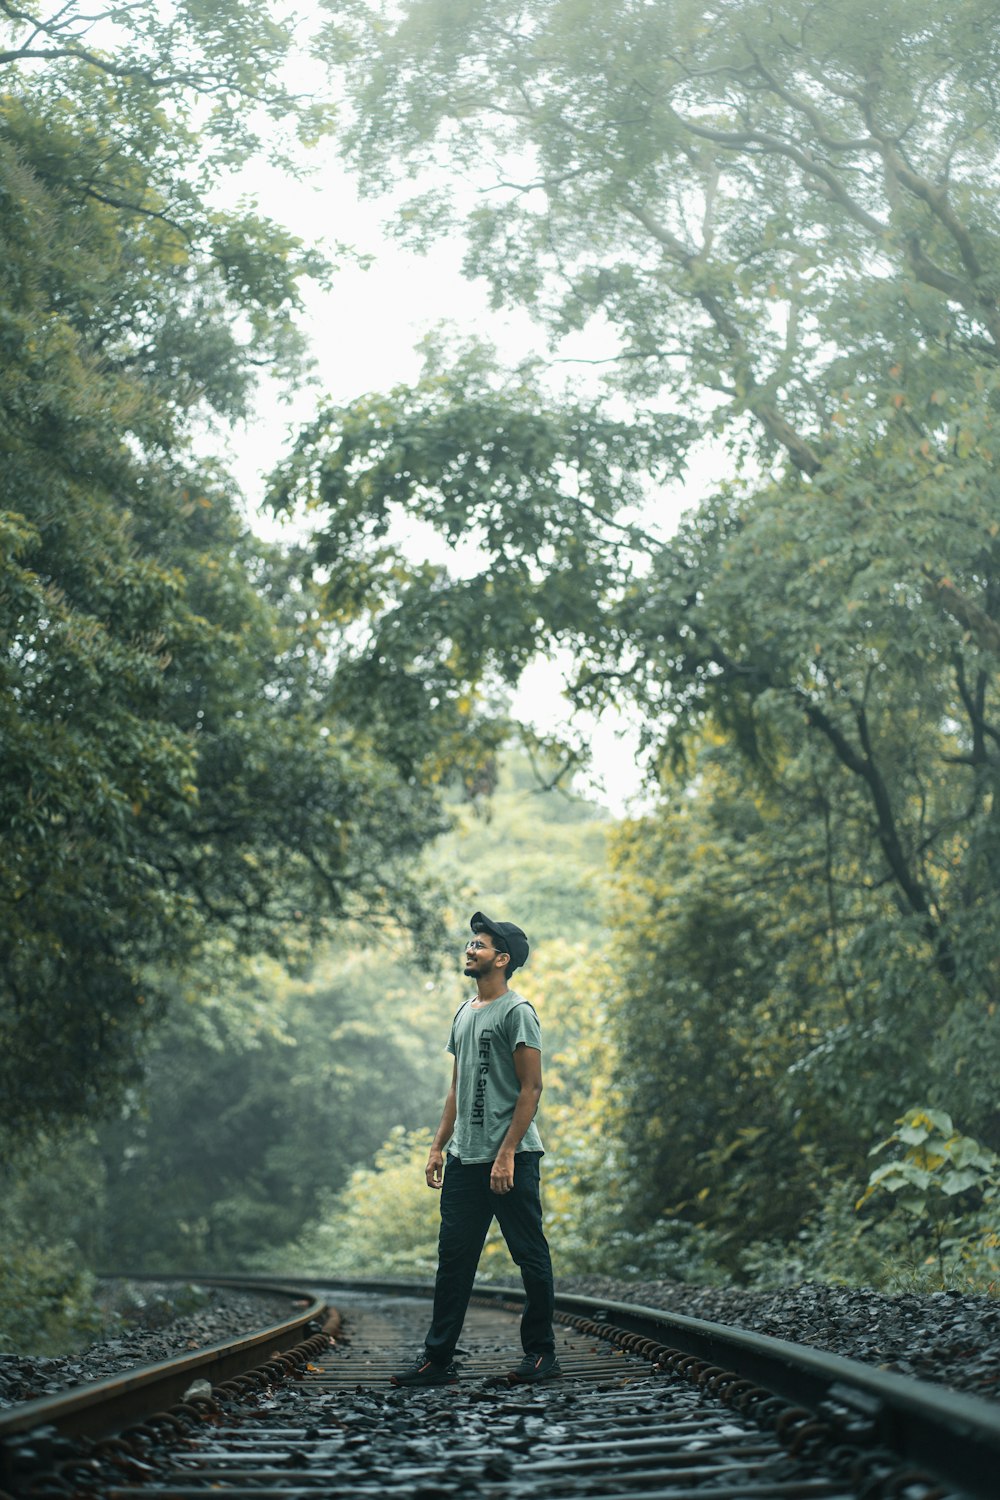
[
  {"x": 960, "y": 1181},
  {"x": 915, "y": 1134}
]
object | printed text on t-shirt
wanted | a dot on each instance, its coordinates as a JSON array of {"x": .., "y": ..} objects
[{"x": 479, "y": 1101}]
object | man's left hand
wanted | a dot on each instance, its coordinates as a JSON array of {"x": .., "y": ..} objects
[{"x": 502, "y": 1173}]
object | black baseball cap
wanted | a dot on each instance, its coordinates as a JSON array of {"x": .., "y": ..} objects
[{"x": 509, "y": 937}]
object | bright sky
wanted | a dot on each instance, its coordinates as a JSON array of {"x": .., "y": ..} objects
[{"x": 364, "y": 332}]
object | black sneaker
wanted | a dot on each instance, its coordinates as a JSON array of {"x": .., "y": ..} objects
[
  {"x": 534, "y": 1367},
  {"x": 424, "y": 1371}
]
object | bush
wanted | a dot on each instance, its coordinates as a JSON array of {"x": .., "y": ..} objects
[
  {"x": 834, "y": 1246},
  {"x": 47, "y": 1303},
  {"x": 927, "y": 1220},
  {"x": 942, "y": 1191},
  {"x": 383, "y": 1223}
]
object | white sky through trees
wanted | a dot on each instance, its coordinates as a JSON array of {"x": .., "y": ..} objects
[{"x": 365, "y": 331}]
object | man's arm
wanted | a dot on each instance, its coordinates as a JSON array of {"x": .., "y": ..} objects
[
  {"x": 434, "y": 1170},
  {"x": 528, "y": 1067}
]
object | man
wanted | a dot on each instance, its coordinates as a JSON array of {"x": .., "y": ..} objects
[{"x": 493, "y": 1154}]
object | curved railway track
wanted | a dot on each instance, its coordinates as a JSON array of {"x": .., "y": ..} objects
[{"x": 650, "y": 1404}]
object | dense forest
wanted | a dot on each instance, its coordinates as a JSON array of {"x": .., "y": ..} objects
[{"x": 251, "y": 790}]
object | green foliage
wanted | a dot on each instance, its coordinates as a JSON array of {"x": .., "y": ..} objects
[
  {"x": 775, "y": 1005},
  {"x": 177, "y": 762},
  {"x": 52, "y": 1193},
  {"x": 548, "y": 858},
  {"x": 170, "y": 773},
  {"x": 384, "y": 1222},
  {"x": 951, "y": 1244},
  {"x": 949, "y": 1186},
  {"x": 787, "y": 219},
  {"x": 526, "y": 487},
  {"x": 592, "y": 1154},
  {"x": 263, "y": 1089},
  {"x": 537, "y": 855},
  {"x": 937, "y": 1164},
  {"x": 47, "y": 1302},
  {"x": 259, "y": 1099},
  {"x": 214, "y": 66},
  {"x": 836, "y": 1246},
  {"x": 759, "y": 202},
  {"x": 711, "y": 1015}
]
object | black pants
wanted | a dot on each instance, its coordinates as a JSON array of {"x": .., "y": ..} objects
[{"x": 468, "y": 1208}]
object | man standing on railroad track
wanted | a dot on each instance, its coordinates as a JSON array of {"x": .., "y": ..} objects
[{"x": 493, "y": 1152}]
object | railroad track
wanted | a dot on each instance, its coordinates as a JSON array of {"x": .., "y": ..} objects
[{"x": 651, "y": 1404}]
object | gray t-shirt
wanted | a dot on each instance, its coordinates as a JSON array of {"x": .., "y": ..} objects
[{"x": 483, "y": 1042}]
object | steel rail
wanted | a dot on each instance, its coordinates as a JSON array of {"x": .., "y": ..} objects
[
  {"x": 927, "y": 1425},
  {"x": 952, "y": 1436},
  {"x": 101, "y": 1406},
  {"x": 949, "y": 1433}
]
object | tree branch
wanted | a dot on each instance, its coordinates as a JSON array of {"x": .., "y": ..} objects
[
  {"x": 137, "y": 208},
  {"x": 763, "y": 141},
  {"x": 802, "y": 454},
  {"x": 980, "y": 625}
]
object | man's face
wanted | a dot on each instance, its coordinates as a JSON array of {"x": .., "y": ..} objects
[{"x": 480, "y": 955}]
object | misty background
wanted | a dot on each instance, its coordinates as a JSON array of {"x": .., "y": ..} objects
[{"x": 537, "y": 457}]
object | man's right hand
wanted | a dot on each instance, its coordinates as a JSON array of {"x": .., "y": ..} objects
[{"x": 434, "y": 1170}]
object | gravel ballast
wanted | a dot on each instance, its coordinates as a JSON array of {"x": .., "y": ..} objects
[
  {"x": 944, "y": 1337},
  {"x": 947, "y": 1338},
  {"x": 153, "y": 1333}
]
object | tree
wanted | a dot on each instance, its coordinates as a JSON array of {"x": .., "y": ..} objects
[
  {"x": 774, "y": 1005},
  {"x": 787, "y": 216},
  {"x": 783, "y": 211},
  {"x": 211, "y": 62},
  {"x": 258, "y": 1104},
  {"x": 263, "y": 1089},
  {"x": 546, "y": 866},
  {"x": 534, "y": 487},
  {"x": 176, "y": 761},
  {"x": 729, "y": 186}
]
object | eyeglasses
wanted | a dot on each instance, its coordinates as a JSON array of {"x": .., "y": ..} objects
[{"x": 478, "y": 948}]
